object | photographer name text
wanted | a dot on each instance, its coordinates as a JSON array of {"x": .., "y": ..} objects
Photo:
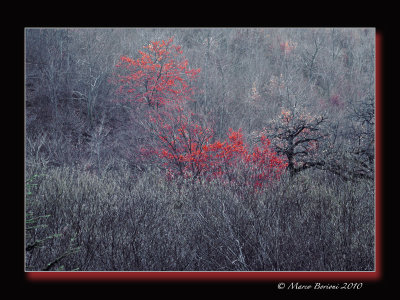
[{"x": 320, "y": 286}]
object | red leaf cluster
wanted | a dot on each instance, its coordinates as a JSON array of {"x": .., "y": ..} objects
[
  {"x": 158, "y": 77},
  {"x": 188, "y": 152}
]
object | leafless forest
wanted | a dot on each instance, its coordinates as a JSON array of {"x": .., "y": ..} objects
[{"x": 199, "y": 149}]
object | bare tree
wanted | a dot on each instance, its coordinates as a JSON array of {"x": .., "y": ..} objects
[
  {"x": 53, "y": 62},
  {"x": 297, "y": 135},
  {"x": 95, "y": 58}
]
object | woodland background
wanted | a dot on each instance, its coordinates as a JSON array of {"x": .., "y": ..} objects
[{"x": 243, "y": 149}]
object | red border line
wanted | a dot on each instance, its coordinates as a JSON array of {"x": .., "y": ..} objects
[{"x": 200, "y": 276}]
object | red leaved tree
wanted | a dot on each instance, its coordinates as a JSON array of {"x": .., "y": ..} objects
[
  {"x": 181, "y": 141},
  {"x": 186, "y": 151},
  {"x": 237, "y": 162},
  {"x": 157, "y": 80},
  {"x": 266, "y": 165},
  {"x": 160, "y": 75},
  {"x": 161, "y": 78}
]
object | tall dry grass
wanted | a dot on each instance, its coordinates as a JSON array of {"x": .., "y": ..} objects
[{"x": 126, "y": 221}]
